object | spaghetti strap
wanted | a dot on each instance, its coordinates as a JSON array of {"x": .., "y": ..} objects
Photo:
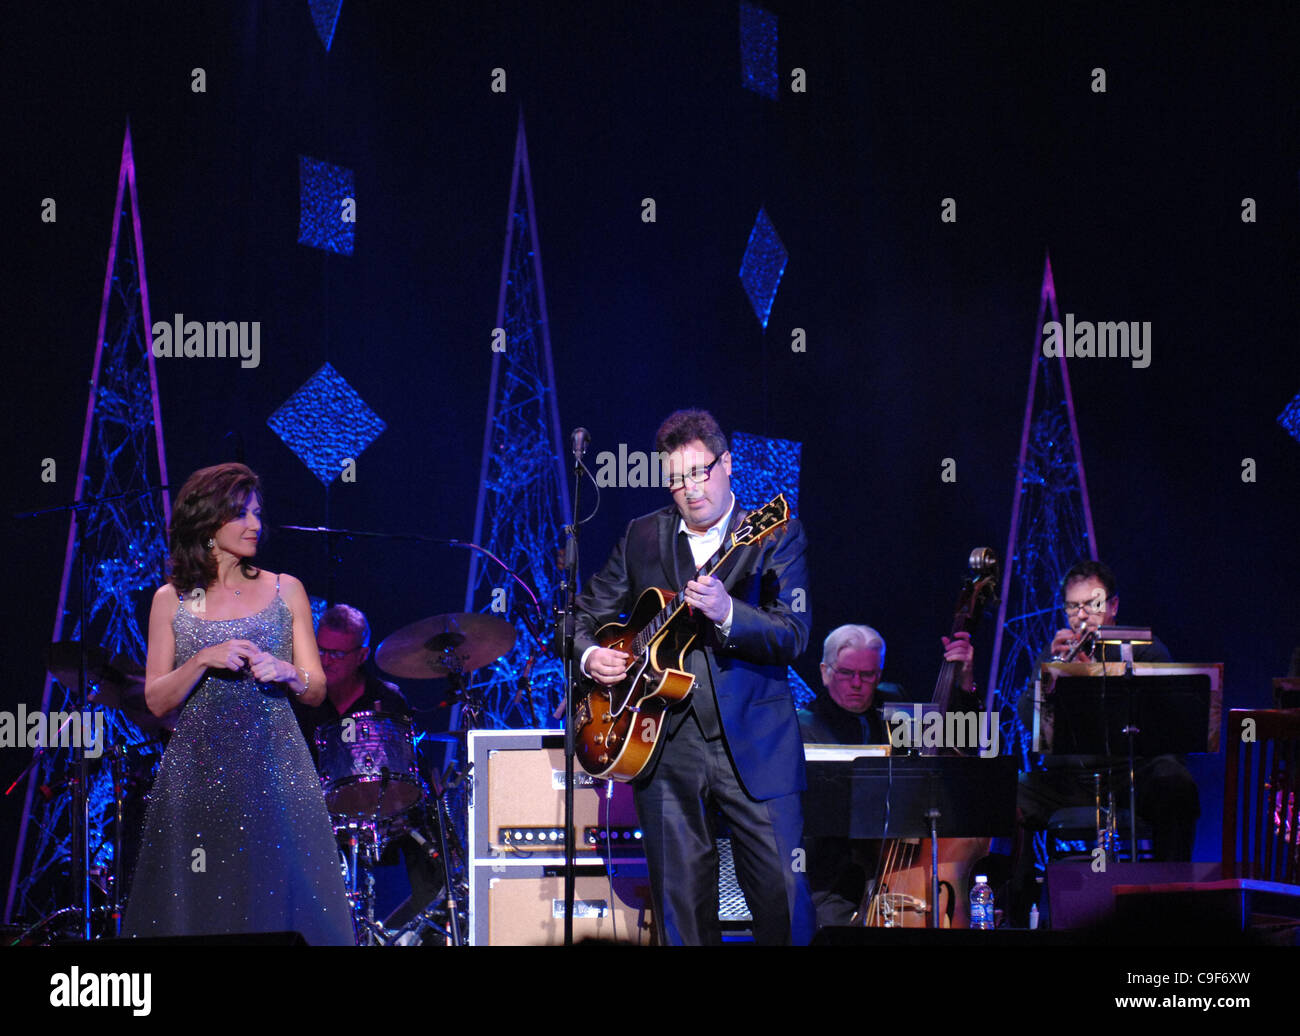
[{"x": 277, "y": 585}]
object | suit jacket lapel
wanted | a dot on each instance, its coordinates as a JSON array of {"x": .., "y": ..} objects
[
  {"x": 668, "y": 546},
  {"x": 734, "y": 562},
  {"x": 668, "y": 533}
]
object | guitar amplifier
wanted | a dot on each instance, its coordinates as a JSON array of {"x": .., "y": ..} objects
[{"x": 516, "y": 847}]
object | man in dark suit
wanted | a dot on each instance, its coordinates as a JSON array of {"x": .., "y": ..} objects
[{"x": 733, "y": 746}]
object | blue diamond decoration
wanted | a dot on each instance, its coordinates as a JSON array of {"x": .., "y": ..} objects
[
  {"x": 762, "y": 266},
  {"x": 325, "y": 422},
  {"x": 803, "y": 694},
  {"x": 758, "y": 50},
  {"x": 325, "y": 17},
  {"x": 1290, "y": 418},
  {"x": 762, "y": 467},
  {"x": 323, "y": 190}
]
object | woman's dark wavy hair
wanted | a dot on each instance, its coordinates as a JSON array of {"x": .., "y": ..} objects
[{"x": 210, "y": 498}]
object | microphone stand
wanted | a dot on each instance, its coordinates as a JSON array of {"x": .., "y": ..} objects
[{"x": 566, "y": 619}]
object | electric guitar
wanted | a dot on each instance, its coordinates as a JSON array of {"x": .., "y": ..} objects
[{"x": 618, "y": 727}]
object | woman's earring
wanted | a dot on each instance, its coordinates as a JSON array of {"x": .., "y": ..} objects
[{"x": 211, "y": 543}]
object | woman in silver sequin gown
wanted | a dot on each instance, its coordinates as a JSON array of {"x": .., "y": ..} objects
[{"x": 237, "y": 838}]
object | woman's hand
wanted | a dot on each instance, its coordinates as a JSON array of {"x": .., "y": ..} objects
[
  {"x": 233, "y": 655},
  {"x": 269, "y": 669}
]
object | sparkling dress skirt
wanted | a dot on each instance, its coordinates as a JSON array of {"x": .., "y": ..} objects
[{"x": 236, "y": 836}]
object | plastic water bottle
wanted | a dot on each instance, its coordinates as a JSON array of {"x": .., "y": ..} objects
[{"x": 981, "y": 904}]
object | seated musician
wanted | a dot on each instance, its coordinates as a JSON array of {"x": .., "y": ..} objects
[
  {"x": 847, "y": 711},
  {"x": 343, "y": 639},
  {"x": 1167, "y": 797}
]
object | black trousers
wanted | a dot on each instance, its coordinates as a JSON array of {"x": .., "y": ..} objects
[{"x": 675, "y": 807}]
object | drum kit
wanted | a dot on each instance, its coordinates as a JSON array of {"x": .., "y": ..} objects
[
  {"x": 126, "y": 768},
  {"x": 369, "y": 770},
  {"x": 374, "y": 789}
]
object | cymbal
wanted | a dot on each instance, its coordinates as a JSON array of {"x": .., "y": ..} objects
[
  {"x": 116, "y": 683},
  {"x": 441, "y": 644},
  {"x": 133, "y": 707},
  {"x": 119, "y": 674}
]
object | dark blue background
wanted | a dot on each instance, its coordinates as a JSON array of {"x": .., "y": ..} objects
[{"x": 920, "y": 334}]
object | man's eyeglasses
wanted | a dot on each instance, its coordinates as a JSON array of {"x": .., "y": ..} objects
[
  {"x": 335, "y": 655},
  {"x": 1092, "y": 606},
  {"x": 849, "y": 675},
  {"x": 694, "y": 476}
]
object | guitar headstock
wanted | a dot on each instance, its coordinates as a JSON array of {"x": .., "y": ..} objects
[{"x": 757, "y": 524}]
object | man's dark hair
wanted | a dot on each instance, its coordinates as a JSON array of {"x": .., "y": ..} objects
[
  {"x": 683, "y": 426},
  {"x": 1090, "y": 570}
]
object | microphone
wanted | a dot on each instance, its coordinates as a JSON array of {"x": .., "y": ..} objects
[
  {"x": 423, "y": 843},
  {"x": 579, "y": 441}
]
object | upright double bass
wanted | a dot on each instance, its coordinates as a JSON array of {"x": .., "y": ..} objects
[{"x": 900, "y": 896}]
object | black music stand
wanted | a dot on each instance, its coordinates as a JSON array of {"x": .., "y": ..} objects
[
  {"x": 912, "y": 797},
  {"x": 1095, "y": 712}
]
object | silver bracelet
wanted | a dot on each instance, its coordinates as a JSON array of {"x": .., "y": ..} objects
[{"x": 306, "y": 683}]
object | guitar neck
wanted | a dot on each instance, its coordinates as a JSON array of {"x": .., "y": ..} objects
[
  {"x": 670, "y": 611},
  {"x": 751, "y": 527}
]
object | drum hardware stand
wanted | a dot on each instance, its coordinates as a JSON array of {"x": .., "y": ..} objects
[
  {"x": 448, "y": 878},
  {"x": 472, "y": 706},
  {"x": 362, "y": 854},
  {"x": 111, "y": 910},
  {"x": 448, "y": 903},
  {"x": 425, "y": 919},
  {"x": 80, "y": 813},
  {"x": 117, "y": 762}
]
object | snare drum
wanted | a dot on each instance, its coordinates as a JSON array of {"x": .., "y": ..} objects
[{"x": 353, "y": 755}]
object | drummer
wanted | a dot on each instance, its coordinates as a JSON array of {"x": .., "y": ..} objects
[{"x": 343, "y": 638}]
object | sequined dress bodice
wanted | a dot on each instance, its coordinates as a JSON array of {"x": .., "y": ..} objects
[{"x": 236, "y": 836}]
